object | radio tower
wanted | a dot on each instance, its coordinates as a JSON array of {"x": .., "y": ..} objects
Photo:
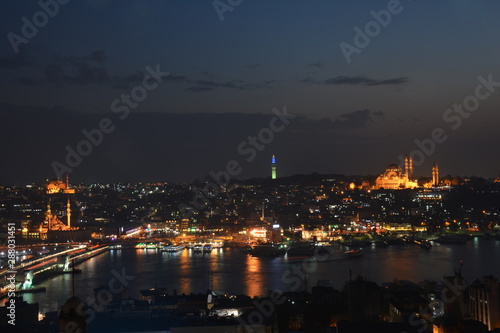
[{"x": 274, "y": 174}]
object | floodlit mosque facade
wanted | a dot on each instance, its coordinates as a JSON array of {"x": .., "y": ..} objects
[{"x": 395, "y": 177}]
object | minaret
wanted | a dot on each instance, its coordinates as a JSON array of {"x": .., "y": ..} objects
[
  {"x": 49, "y": 215},
  {"x": 408, "y": 167},
  {"x": 68, "y": 212},
  {"x": 274, "y": 175},
  {"x": 435, "y": 175}
]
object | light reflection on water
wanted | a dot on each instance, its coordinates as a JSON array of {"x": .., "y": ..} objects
[
  {"x": 235, "y": 272},
  {"x": 252, "y": 277}
]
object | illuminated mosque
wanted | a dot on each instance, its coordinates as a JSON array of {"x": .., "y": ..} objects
[
  {"x": 52, "y": 222},
  {"x": 395, "y": 178},
  {"x": 57, "y": 186}
]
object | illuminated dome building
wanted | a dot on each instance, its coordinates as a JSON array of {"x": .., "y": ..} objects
[
  {"x": 395, "y": 178},
  {"x": 57, "y": 186}
]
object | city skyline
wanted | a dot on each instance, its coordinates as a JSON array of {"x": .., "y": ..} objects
[{"x": 367, "y": 82}]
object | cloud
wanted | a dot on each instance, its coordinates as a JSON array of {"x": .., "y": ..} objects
[
  {"x": 356, "y": 119},
  {"x": 82, "y": 70},
  {"x": 98, "y": 56},
  {"x": 356, "y": 81},
  {"x": 207, "y": 74},
  {"x": 177, "y": 78},
  {"x": 21, "y": 59},
  {"x": 309, "y": 80},
  {"x": 92, "y": 69},
  {"x": 390, "y": 82},
  {"x": 318, "y": 64},
  {"x": 78, "y": 70},
  {"x": 253, "y": 66},
  {"x": 206, "y": 85},
  {"x": 198, "y": 89}
]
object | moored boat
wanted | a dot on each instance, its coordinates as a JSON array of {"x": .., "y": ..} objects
[
  {"x": 451, "y": 239},
  {"x": 173, "y": 248},
  {"x": 353, "y": 253},
  {"x": 301, "y": 249},
  {"x": 266, "y": 250}
]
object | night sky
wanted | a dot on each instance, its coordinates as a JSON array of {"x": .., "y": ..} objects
[{"x": 353, "y": 116}]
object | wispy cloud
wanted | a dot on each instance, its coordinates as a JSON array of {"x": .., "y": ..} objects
[
  {"x": 357, "y": 81},
  {"x": 206, "y": 85},
  {"x": 195, "y": 89},
  {"x": 253, "y": 66},
  {"x": 356, "y": 119},
  {"x": 83, "y": 70},
  {"x": 22, "y": 59},
  {"x": 92, "y": 69},
  {"x": 318, "y": 64}
]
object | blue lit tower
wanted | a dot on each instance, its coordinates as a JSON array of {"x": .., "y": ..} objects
[{"x": 273, "y": 168}]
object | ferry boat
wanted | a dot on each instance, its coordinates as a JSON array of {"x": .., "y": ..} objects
[
  {"x": 146, "y": 246},
  {"x": 173, "y": 248},
  {"x": 207, "y": 248},
  {"x": 198, "y": 248},
  {"x": 451, "y": 239},
  {"x": 423, "y": 243},
  {"x": 301, "y": 249},
  {"x": 266, "y": 250}
]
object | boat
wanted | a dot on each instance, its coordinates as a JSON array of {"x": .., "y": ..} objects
[
  {"x": 207, "y": 248},
  {"x": 146, "y": 246},
  {"x": 451, "y": 239},
  {"x": 353, "y": 253},
  {"x": 301, "y": 249},
  {"x": 173, "y": 248},
  {"x": 356, "y": 243},
  {"x": 198, "y": 248},
  {"x": 400, "y": 241},
  {"x": 423, "y": 243},
  {"x": 291, "y": 259},
  {"x": 266, "y": 250}
]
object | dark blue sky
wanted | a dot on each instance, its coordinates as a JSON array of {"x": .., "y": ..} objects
[{"x": 356, "y": 117}]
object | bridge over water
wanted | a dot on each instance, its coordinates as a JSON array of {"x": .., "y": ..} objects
[{"x": 29, "y": 273}]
